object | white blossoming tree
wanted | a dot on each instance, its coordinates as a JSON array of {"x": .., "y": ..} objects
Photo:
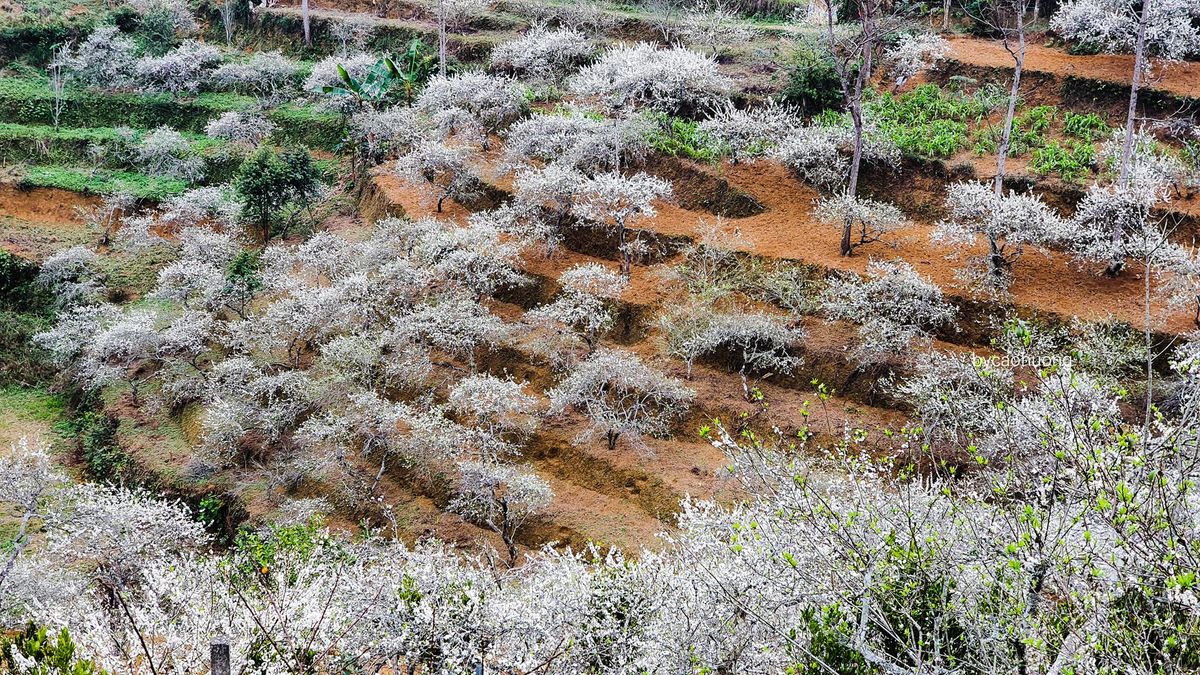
[
  {"x": 893, "y": 306},
  {"x": 621, "y": 396},
  {"x": 614, "y": 202}
]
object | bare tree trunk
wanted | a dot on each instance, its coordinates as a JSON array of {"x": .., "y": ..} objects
[
  {"x": 227, "y": 18},
  {"x": 996, "y": 260},
  {"x": 307, "y": 31},
  {"x": 1139, "y": 66},
  {"x": 441, "y": 39},
  {"x": 864, "y": 73},
  {"x": 946, "y": 15}
]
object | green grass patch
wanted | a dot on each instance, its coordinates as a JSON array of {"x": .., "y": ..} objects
[
  {"x": 31, "y": 404},
  {"x": 929, "y": 121},
  {"x": 1086, "y": 126},
  {"x": 1073, "y": 161},
  {"x": 681, "y": 138},
  {"x": 101, "y": 182},
  {"x": 29, "y": 101}
]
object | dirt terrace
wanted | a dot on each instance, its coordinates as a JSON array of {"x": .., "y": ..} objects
[{"x": 1180, "y": 79}]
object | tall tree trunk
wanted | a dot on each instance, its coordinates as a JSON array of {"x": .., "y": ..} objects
[
  {"x": 441, "y": 39},
  {"x": 1116, "y": 266},
  {"x": 864, "y": 73},
  {"x": 996, "y": 261},
  {"x": 307, "y": 28},
  {"x": 946, "y": 15}
]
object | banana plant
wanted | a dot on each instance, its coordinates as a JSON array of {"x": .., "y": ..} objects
[
  {"x": 385, "y": 82},
  {"x": 374, "y": 88}
]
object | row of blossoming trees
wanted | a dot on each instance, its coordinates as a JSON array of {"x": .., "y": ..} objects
[{"x": 1034, "y": 524}]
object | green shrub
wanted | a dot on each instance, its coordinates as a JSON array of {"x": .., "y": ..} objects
[
  {"x": 928, "y": 121},
  {"x": 24, "y": 312},
  {"x": 681, "y": 138},
  {"x": 1072, "y": 163},
  {"x": 51, "y": 654},
  {"x": 1087, "y": 126},
  {"x": 813, "y": 84}
]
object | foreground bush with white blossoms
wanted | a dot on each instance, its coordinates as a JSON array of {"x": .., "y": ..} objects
[
  {"x": 1066, "y": 540},
  {"x": 583, "y": 337}
]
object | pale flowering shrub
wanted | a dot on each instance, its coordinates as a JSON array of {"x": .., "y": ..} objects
[
  {"x": 103, "y": 60},
  {"x": 270, "y": 77},
  {"x": 475, "y": 104},
  {"x": 1112, "y": 25},
  {"x": 751, "y": 132},
  {"x": 893, "y": 306},
  {"x": 675, "y": 81},
  {"x": 913, "y": 53},
  {"x": 621, "y": 397},
  {"x": 180, "y": 71},
  {"x": 577, "y": 140},
  {"x": 165, "y": 152},
  {"x": 759, "y": 343},
  {"x": 715, "y": 30},
  {"x": 247, "y": 129},
  {"x": 543, "y": 55},
  {"x": 74, "y": 275}
]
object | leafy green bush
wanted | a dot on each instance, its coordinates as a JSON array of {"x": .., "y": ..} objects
[
  {"x": 813, "y": 84},
  {"x": 24, "y": 312},
  {"x": 50, "y": 654},
  {"x": 1088, "y": 126},
  {"x": 928, "y": 121},
  {"x": 97, "y": 436},
  {"x": 1029, "y": 132},
  {"x": 681, "y": 138},
  {"x": 1073, "y": 162}
]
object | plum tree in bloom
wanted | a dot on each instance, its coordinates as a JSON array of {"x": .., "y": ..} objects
[
  {"x": 550, "y": 191},
  {"x": 501, "y": 497},
  {"x": 675, "y": 81},
  {"x": 269, "y": 77},
  {"x": 1162, "y": 29},
  {"x": 751, "y": 132},
  {"x": 614, "y": 202},
  {"x": 570, "y": 327},
  {"x": 913, "y": 53},
  {"x": 715, "y": 30},
  {"x": 386, "y": 134},
  {"x": 486, "y": 102},
  {"x": 444, "y": 169},
  {"x": 819, "y": 153},
  {"x": 180, "y": 71},
  {"x": 165, "y": 152},
  {"x": 543, "y": 55},
  {"x": 245, "y": 403},
  {"x": 870, "y": 220},
  {"x": 451, "y": 13},
  {"x": 759, "y": 343},
  {"x": 246, "y": 129},
  {"x": 621, "y": 396},
  {"x": 354, "y": 30},
  {"x": 498, "y": 406},
  {"x": 955, "y": 397},
  {"x": 893, "y": 306},
  {"x": 104, "y": 59},
  {"x": 74, "y": 275},
  {"x": 1008, "y": 223},
  {"x": 27, "y": 478},
  {"x": 456, "y": 325},
  {"x": 474, "y": 258},
  {"x": 578, "y": 141}
]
